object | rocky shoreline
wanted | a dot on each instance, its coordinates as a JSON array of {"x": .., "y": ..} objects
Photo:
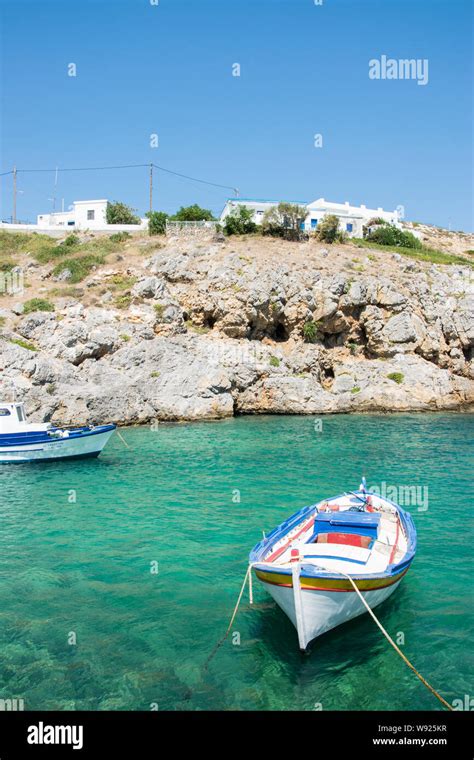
[{"x": 205, "y": 329}]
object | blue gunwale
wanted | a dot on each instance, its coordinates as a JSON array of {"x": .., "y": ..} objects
[
  {"x": 8, "y": 440},
  {"x": 309, "y": 571}
]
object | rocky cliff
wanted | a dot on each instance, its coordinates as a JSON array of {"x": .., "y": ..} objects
[{"x": 202, "y": 329}]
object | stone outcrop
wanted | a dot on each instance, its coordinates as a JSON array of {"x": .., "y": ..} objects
[{"x": 215, "y": 329}]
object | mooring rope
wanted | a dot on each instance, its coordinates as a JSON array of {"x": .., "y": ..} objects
[
  {"x": 122, "y": 438},
  {"x": 221, "y": 641},
  {"x": 391, "y": 641},
  {"x": 369, "y": 610}
]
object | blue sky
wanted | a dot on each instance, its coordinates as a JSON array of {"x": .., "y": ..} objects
[{"x": 167, "y": 69}]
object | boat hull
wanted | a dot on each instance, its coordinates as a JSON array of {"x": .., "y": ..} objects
[
  {"x": 79, "y": 447},
  {"x": 325, "y": 609}
]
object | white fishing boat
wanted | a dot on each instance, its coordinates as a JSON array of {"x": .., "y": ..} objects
[
  {"x": 320, "y": 562},
  {"x": 22, "y": 441}
]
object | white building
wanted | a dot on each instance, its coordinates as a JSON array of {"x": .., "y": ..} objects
[
  {"x": 85, "y": 215},
  {"x": 351, "y": 218}
]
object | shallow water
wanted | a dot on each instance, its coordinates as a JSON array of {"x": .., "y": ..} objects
[{"x": 82, "y": 570}]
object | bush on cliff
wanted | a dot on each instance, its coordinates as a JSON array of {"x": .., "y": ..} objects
[
  {"x": 284, "y": 220},
  {"x": 328, "y": 230},
  {"x": 388, "y": 234},
  {"x": 193, "y": 213},
  {"x": 120, "y": 213},
  {"x": 240, "y": 222},
  {"x": 157, "y": 222},
  {"x": 37, "y": 304}
]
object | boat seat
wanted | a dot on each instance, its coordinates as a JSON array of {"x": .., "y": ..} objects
[
  {"x": 347, "y": 539},
  {"x": 338, "y": 553}
]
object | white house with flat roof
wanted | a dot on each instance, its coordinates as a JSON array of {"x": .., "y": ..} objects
[
  {"x": 85, "y": 215},
  {"x": 351, "y": 218}
]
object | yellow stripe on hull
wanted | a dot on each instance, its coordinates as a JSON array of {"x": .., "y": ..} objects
[{"x": 329, "y": 584}]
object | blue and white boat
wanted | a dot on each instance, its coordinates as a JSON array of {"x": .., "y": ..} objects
[
  {"x": 329, "y": 560},
  {"x": 22, "y": 441}
]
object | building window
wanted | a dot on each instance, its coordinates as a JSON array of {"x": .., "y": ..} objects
[
  {"x": 349, "y": 226},
  {"x": 90, "y": 215},
  {"x": 71, "y": 224},
  {"x": 314, "y": 223}
]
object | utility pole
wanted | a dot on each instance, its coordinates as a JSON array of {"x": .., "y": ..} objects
[
  {"x": 14, "y": 195},
  {"x": 151, "y": 188}
]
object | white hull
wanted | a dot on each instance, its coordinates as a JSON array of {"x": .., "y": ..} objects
[
  {"x": 324, "y": 610},
  {"x": 64, "y": 448}
]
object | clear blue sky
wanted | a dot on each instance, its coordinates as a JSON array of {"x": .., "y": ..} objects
[{"x": 167, "y": 69}]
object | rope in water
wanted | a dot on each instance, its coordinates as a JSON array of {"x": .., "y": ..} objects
[
  {"x": 221, "y": 641},
  {"x": 369, "y": 610},
  {"x": 397, "y": 649},
  {"x": 122, "y": 438}
]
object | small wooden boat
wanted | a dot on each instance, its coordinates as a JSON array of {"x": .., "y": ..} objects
[
  {"x": 310, "y": 562},
  {"x": 21, "y": 441}
]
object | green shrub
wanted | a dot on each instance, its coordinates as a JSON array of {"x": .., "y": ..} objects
[
  {"x": 388, "y": 234},
  {"x": 397, "y": 377},
  {"x": 193, "y": 213},
  {"x": 125, "y": 338},
  {"x": 71, "y": 240},
  {"x": 37, "y": 304},
  {"x": 355, "y": 389},
  {"x": 274, "y": 361},
  {"x": 120, "y": 213},
  {"x": 79, "y": 267},
  {"x": 352, "y": 347},
  {"x": 240, "y": 222},
  {"x": 23, "y": 344},
  {"x": 310, "y": 331},
  {"x": 119, "y": 237},
  {"x": 123, "y": 301},
  {"x": 376, "y": 220},
  {"x": 328, "y": 230},
  {"x": 157, "y": 222},
  {"x": 284, "y": 221},
  {"x": 6, "y": 265},
  {"x": 122, "y": 281}
]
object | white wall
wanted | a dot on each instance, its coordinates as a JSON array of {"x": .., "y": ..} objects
[{"x": 82, "y": 210}]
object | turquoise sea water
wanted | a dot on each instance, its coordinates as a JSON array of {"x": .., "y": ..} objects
[{"x": 83, "y": 569}]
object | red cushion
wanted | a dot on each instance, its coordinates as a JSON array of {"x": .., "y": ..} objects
[{"x": 349, "y": 539}]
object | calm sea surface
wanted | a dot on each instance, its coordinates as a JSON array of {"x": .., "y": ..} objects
[{"x": 79, "y": 542}]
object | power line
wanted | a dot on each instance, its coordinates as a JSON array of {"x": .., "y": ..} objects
[
  {"x": 85, "y": 168},
  {"x": 150, "y": 165},
  {"x": 124, "y": 166},
  {"x": 194, "y": 179}
]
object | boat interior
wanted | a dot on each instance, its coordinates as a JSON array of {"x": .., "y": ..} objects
[{"x": 356, "y": 533}]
